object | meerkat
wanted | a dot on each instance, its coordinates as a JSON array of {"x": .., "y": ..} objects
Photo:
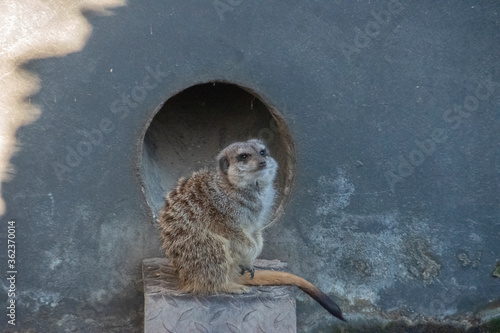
[{"x": 211, "y": 226}]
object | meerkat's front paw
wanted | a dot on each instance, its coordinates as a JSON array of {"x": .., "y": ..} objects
[{"x": 250, "y": 270}]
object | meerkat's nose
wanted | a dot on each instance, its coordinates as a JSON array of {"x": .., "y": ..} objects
[{"x": 262, "y": 164}]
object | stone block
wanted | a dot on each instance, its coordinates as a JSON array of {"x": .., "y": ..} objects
[{"x": 263, "y": 309}]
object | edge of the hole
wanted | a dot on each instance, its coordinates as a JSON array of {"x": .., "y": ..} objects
[{"x": 284, "y": 195}]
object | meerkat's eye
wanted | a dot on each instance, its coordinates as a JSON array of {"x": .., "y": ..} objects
[
  {"x": 263, "y": 152},
  {"x": 243, "y": 157}
]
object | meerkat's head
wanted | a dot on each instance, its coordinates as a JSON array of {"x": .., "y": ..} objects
[{"x": 247, "y": 163}]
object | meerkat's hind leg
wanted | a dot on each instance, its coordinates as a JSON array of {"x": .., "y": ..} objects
[
  {"x": 234, "y": 288},
  {"x": 233, "y": 283}
]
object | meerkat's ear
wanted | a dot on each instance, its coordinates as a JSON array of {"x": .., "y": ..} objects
[{"x": 223, "y": 164}]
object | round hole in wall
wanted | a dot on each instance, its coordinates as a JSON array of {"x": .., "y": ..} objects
[{"x": 190, "y": 129}]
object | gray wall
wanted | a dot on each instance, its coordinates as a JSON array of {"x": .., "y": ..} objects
[{"x": 394, "y": 110}]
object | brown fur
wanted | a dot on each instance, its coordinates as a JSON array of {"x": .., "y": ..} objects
[{"x": 211, "y": 224}]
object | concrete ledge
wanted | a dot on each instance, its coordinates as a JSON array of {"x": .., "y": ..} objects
[{"x": 264, "y": 309}]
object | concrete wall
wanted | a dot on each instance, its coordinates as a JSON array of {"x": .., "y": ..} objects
[{"x": 386, "y": 115}]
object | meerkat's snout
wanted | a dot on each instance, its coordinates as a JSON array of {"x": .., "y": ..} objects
[{"x": 247, "y": 163}]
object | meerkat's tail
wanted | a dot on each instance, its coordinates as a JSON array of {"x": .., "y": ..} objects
[{"x": 274, "y": 278}]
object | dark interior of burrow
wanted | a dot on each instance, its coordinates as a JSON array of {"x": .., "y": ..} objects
[{"x": 192, "y": 126}]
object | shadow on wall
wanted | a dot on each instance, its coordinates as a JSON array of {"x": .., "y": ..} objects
[{"x": 35, "y": 30}]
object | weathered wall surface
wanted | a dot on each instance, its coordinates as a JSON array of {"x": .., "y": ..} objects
[{"x": 394, "y": 109}]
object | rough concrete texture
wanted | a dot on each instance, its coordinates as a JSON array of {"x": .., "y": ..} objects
[
  {"x": 393, "y": 108},
  {"x": 263, "y": 309}
]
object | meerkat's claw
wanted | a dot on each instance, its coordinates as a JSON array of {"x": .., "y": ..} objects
[{"x": 250, "y": 270}]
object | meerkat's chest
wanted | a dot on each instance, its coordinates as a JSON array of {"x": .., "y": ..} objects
[{"x": 254, "y": 215}]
